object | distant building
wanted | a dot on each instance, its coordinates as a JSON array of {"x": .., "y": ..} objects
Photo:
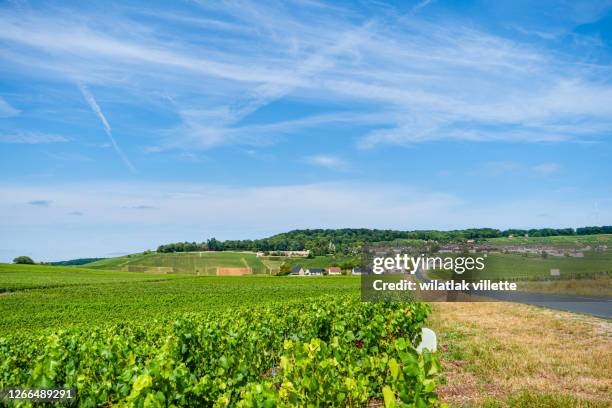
[
  {"x": 358, "y": 271},
  {"x": 297, "y": 271},
  {"x": 334, "y": 270},
  {"x": 314, "y": 272},
  {"x": 303, "y": 254}
]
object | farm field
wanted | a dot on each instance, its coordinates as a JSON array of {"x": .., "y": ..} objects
[
  {"x": 203, "y": 263},
  {"x": 206, "y": 263},
  {"x": 139, "y": 322},
  {"x": 19, "y": 277},
  {"x": 516, "y": 266},
  {"x": 112, "y": 297},
  {"x": 534, "y": 267},
  {"x": 199, "y": 340}
]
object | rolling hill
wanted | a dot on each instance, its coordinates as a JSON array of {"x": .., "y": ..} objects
[{"x": 200, "y": 263}]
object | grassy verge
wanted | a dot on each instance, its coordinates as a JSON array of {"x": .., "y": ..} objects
[{"x": 511, "y": 355}]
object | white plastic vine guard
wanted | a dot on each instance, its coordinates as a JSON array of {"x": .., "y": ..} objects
[{"x": 428, "y": 340}]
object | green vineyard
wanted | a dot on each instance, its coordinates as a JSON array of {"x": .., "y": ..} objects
[
  {"x": 336, "y": 351},
  {"x": 199, "y": 263}
]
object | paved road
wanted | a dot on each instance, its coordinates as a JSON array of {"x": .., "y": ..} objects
[{"x": 594, "y": 306}]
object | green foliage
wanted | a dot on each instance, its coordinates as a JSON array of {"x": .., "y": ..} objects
[
  {"x": 348, "y": 241},
  {"x": 76, "y": 262},
  {"x": 24, "y": 260},
  {"x": 20, "y": 277},
  {"x": 336, "y": 351},
  {"x": 69, "y": 297},
  {"x": 284, "y": 269}
]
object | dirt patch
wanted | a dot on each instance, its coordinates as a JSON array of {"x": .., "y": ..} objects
[{"x": 234, "y": 271}]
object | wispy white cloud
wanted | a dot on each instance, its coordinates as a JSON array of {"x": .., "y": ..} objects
[
  {"x": 421, "y": 4},
  {"x": 140, "y": 207},
  {"x": 546, "y": 168},
  {"x": 31, "y": 138},
  {"x": 546, "y": 35},
  {"x": 503, "y": 167},
  {"x": 69, "y": 157},
  {"x": 426, "y": 80},
  {"x": 330, "y": 204},
  {"x": 183, "y": 210},
  {"x": 327, "y": 161},
  {"x": 40, "y": 203},
  {"x": 7, "y": 110},
  {"x": 510, "y": 167},
  {"x": 91, "y": 101}
]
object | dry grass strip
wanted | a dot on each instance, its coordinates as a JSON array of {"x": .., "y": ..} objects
[{"x": 494, "y": 351}]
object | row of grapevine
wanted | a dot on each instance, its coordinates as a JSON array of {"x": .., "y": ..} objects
[{"x": 334, "y": 351}]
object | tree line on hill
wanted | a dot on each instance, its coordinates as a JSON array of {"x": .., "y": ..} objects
[
  {"x": 76, "y": 262},
  {"x": 26, "y": 260},
  {"x": 349, "y": 240}
]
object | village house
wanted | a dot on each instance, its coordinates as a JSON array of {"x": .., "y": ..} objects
[
  {"x": 334, "y": 270},
  {"x": 358, "y": 271},
  {"x": 314, "y": 272},
  {"x": 302, "y": 254},
  {"x": 297, "y": 271}
]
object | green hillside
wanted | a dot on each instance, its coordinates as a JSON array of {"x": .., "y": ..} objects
[
  {"x": 206, "y": 263},
  {"x": 202, "y": 263}
]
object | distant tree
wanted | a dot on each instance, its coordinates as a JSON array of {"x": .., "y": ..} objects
[
  {"x": 215, "y": 245},
  {"x": 349, "y": 241},
  {"x": 350, "y": 264},
  {"x": 285, "y": 268},
  {"x": 75, "y": 262},
  {"x": 23, "y": 260}
]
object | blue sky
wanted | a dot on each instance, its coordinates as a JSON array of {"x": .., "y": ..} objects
[{"x": 131, "y": 124}]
